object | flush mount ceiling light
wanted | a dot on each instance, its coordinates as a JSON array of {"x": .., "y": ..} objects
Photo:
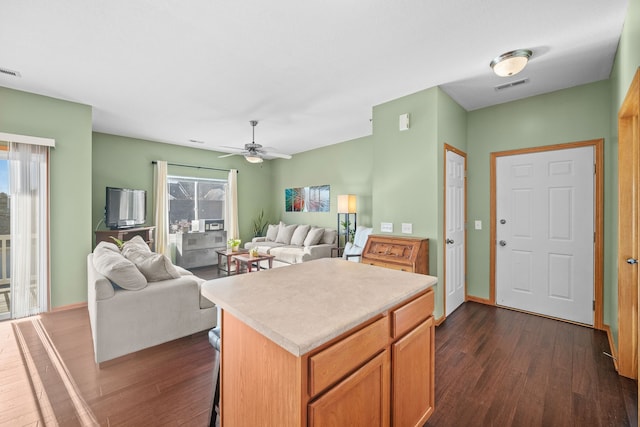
[{"x": 510, "y": 63}]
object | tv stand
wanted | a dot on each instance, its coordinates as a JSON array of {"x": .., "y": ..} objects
[{"x": 124, "y": 234}]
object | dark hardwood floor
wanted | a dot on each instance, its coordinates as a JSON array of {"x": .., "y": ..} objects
[{"x": 494, "y": 367}]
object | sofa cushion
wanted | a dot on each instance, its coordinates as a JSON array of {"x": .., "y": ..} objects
[
  {"x": 264, "y": 247},
  {"x": 115, "y": 267},
  {"x": 299, "y": 235},
  {"x": 288, "y": 254},
  {"x": 285, "y": 232},
  {"x": 272, "y": 232},
  {"x": 329, "y": 236},
  {"x": 314, "y": 236}
]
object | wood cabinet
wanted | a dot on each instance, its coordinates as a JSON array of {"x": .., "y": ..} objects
[
  {"x": 147, "y": 234},
  {"x": 380, "y": 373},
  {"x": 396, "y": 252}
]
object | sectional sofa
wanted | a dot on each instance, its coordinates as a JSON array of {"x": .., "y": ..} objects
[
  {"x": 295, "y": 243},
  {"x": 138, "y": 299}
]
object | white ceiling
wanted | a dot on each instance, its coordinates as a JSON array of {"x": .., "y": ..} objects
[{"x": 310, "y": 72}]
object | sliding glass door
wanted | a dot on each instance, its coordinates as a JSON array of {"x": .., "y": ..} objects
[{"x": 24, "y": 232}]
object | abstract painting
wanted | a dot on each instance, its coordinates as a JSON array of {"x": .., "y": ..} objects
[{"x": 307, "y": 199}]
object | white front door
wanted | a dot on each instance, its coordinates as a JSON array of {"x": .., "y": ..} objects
[
  {"x": 454, "y": 231},
  {"x": 545, "y": 233}
]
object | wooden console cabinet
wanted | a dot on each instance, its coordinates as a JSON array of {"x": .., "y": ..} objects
[
  {"x": 396, "y": 252},
  {"x": 147, "y": 233}
]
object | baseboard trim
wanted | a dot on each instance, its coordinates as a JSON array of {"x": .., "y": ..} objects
[
  {"x": 69, "y": 307},
  {"x": 440, "y": 319},
  {"x": 612, "y": 347},
  {"x": 485, "y": 301}
]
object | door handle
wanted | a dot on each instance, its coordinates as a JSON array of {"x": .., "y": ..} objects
[
  {"x": 502, "y": 243},
  {"x": 632, "y": 261},
  {"x": 449, "y": 242}
]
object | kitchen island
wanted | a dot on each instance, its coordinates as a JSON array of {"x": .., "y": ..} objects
[{"x": 326, "y": 342}]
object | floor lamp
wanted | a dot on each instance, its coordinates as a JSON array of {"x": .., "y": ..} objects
[{"x": 346, "y": 209}]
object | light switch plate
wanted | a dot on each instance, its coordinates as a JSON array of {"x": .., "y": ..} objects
[
  {"x": 407, "y": 228},
  {"x": 478, "y": 224},
  {"x": 386, "y": 227}
]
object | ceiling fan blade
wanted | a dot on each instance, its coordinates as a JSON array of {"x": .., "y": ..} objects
[
  {"x": 229, "y": 155},
  {"x": 274, "y": 154}
]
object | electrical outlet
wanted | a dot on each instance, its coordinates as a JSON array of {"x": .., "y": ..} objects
[
  {"x": 386, "y": 227},
  {"x": 478, "y": 224},
  {"x": 407, "y": 228}
]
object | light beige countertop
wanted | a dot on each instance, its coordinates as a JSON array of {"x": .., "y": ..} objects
[{"x": 302, "y": 306}]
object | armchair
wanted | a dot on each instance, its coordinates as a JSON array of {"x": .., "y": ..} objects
[{"x": 352, "y": 251}]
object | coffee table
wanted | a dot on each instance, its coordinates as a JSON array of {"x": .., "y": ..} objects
[
  {"x": 248, "y": 260},
  {"x": 228, "y": 255}
]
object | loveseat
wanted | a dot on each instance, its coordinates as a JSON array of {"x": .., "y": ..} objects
[
  {"x": 138, "y": 299},
  {"x": 295, "y": 243}
]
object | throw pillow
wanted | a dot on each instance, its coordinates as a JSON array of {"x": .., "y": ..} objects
[
  {"x": 329, "y": 236},
  {"x": 285, "y": 232},
  {"x": 137, "y": 243},
  {"x": 115, "y": 267},
  {"x": 272, "y": 232},
  {"x": 314, "y": 236},
  {"x": 158, "y": 267},
  {"x": 299, "y": 235},
  {"x": 153, "y": 266}
]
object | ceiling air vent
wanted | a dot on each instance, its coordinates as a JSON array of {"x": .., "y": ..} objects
[
  {"x": 511, "y": 84},
  {"x": 9, "y": 72}
]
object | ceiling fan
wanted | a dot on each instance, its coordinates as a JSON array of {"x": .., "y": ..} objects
[{"x": 253, "y": 153}]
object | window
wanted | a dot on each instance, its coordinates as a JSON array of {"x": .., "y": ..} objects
[{"x": 194, "y": 198}]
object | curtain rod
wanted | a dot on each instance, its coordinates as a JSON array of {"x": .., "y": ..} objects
[{"x": 195, "y": 167}]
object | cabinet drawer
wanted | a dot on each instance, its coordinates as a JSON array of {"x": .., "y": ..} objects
[
  {"x": 333, "y": 363},
  {"x": 401, "y": 267},
  {"x": 410, "y": 314}
]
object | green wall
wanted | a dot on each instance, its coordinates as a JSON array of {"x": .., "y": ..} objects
[
  {"x": 70, "y": 182},
  {"x": 577, "y": 114},
  {"x": 625, "y": 66},
  {"x": 126, "y": 162},
  {"x": 346, "y": 167}
]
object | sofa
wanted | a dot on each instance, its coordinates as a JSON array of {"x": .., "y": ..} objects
[
  {"x": 138, "y": 299},
  {"x": 295, "y": 243}
]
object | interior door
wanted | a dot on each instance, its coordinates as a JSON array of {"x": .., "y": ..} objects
[
  {"x": 455, "y": 239},
  {"x": 545, "y": 233}
]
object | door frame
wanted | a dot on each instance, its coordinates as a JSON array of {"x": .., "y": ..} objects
[
  {"x": 628, "y": 223},
  {"x": 461, "y": 153},
  {"x": 598, "y": 244}
]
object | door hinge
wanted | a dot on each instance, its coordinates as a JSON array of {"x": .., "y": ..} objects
[{"x": 594, "y": 305}]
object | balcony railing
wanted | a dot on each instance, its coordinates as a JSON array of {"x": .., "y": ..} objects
[{"x": 5, "y": 274}]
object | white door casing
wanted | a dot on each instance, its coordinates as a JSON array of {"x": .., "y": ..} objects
[
  {"x": 455, "y": 241},
  {"x": 545, "y": 233}
]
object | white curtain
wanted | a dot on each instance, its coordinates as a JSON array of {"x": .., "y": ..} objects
[
  {"x": 231, "y": 220},
  {"x": 161, "y": 207},
  {"x": 29, "y": 231}
]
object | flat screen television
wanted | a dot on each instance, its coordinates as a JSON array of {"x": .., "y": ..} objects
[{"x": 125, "y": 208}]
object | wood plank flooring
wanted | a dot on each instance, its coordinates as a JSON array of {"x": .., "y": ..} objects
[{"x": 494, "y": 367}]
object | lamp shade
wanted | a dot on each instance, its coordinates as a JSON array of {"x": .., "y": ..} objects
[{"x": 347, "y": 203}]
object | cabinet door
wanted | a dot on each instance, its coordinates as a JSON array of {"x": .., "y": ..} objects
[
  {"x": 413, "y": 391},
  {"x": 362, "y": 399}
]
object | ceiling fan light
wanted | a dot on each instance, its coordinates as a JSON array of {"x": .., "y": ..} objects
[
  {"x": 510, "y": 63},
  {"x": 252, "y": 158}
]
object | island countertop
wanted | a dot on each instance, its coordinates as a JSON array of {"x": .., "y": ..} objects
[{"x": 303, "y": 306}]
